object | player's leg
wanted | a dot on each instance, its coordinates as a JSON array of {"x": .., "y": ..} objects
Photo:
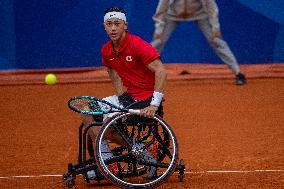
[
  {"x": 126, "y": 100},
  {"x": 161, "y": 42},
  {"x": 222, "y": 49},
  {"x": 109, "y": 135}
]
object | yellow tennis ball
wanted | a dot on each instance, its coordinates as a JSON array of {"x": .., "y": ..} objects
[{"x": 50, "y": 79}]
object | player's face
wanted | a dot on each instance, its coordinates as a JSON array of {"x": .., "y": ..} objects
[{"x": 115, "y": 28}]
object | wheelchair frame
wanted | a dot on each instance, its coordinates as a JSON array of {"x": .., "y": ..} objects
[{"x": 84, "y": 165}]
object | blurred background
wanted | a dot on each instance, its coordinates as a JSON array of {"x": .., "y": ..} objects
[{"x": 40, "y": 34}]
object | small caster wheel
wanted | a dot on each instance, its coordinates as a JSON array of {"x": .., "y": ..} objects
[
  {"x": 181, "y": 170},
  {"x": 69, "y": 180},
  {"x": 70, "y": 183}
]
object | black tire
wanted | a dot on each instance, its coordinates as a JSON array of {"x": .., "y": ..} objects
[
  {"x": 181, "y": 170},
  {"x": 130, "y": 156},
  {"x": 69, "y": 180}
]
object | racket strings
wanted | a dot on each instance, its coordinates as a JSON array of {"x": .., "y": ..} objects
[{"x": 86, "y": 105}]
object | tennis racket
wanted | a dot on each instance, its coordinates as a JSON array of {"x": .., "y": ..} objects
[{"x": 95, "y": 106}]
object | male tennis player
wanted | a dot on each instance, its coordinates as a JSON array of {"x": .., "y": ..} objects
[
  {"x": 204, "y": 13},
  {"x": 133, "y": 63}
]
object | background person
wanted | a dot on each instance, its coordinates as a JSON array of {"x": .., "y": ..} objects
[{"x": 204, "y": 13}]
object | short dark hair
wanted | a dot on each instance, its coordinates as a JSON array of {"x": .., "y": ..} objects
[{"x": 114, "y": 9}]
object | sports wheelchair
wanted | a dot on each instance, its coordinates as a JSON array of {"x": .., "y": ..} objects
[{"x": 146, "y": 156}]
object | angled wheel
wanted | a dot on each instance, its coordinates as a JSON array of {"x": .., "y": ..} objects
[
  {"x": 69, "y": 180},
  {"x": 142, "y": 153},
  {"x": 181, "y": 169}
]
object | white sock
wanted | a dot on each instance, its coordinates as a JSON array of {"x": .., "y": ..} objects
[{"x": 106, "y": 154}]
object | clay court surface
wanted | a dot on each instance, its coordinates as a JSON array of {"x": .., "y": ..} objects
[{"x": 229, "y": 136}]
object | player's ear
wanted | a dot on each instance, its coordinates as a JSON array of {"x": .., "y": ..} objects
[{"x": 126, "y": 24}]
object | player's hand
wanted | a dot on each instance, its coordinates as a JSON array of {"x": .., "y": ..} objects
[
  {"x": 217, "y": 34},
  {"x": 149, "y": 111},
  {"x": 156, "y": 36}
]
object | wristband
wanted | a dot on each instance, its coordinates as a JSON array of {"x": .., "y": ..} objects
[{"x": 157, "y": 98}]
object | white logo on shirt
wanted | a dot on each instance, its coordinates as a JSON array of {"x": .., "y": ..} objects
[
  {"x": 111, "y": 59},
  {"x": 128, "y": 58}
]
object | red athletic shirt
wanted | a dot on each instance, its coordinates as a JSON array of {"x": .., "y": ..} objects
[{"x": 130, "y": 62}]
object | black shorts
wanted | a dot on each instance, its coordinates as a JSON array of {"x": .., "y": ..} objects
[{"x": 128, "y": 102}]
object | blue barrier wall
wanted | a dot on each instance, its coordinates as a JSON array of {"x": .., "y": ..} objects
[
  {"x": 7, "y": 35},
  {"x": 39, "y": 34}
]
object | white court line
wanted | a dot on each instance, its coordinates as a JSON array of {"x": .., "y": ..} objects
[
  {"x": 187, "y": 172},
  {"x": 234, "y": 171},
  {"x": 29, "y": 176}
]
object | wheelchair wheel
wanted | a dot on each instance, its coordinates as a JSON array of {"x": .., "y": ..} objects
[{"x": 142, "y": 152}]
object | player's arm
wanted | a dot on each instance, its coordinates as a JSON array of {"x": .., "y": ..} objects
[
  {"x": 160, "y": 81},
  {"x": 116, "y": 81},
  {"x": 160, "y": 75}
]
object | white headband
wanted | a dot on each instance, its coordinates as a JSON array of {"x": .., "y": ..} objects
[{"x": 118, "y": 15}]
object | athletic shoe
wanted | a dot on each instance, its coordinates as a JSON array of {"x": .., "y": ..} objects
[
  {"x": 241, "y": 79},
  {"x": 93, "y": 175}
]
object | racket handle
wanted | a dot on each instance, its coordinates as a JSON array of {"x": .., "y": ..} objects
[{"x": 136, "y": 112}]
